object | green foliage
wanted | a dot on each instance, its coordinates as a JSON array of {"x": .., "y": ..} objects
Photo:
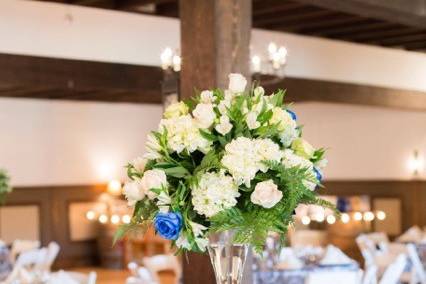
[
  {"x": 253, "y": 224},
  {"x": 4, "y": 186}
]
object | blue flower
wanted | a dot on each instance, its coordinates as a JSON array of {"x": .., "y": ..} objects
[
  {"x": 168, "y": 225},
  {"x": 292, "y": 114},
  {"x": 318, "y": 174}
]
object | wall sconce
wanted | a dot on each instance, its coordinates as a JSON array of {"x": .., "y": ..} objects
[
  {"x": 273, "y": 64},
  {"x": 171, "y": 63},
  {"x": 416, "y": 163}
]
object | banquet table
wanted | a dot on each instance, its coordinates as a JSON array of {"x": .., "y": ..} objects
[{"x": 348, "y": 273}]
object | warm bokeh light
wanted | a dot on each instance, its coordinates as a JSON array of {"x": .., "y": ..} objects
[
  {"x": 345, "y": 218},
  {"x": 331, "y": 219},
  {"x": 126, "y": 219},
  {"x": 114, "y": 187},
  {"x": 306, "y": 220},
  {"x": 357, "y": 216},
  {"x": 103, "y": 218},
  {"x": 416, "y": 163},
  {"x": 368, "y": 216},
  {"x": 381, "y": 215},
  {"x": 115, "y": 219},
  {"x": 319, "y": 217},
  {"x": 90, "y": 215}
]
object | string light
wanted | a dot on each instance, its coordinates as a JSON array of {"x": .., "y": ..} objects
[
  {"x": 331, "y": 219},
  {"x": 381, "y": 215},
  {"x": 357, "y": 216},
  {"x": 306, "y": 220},
  {"x": 368, "y": 216},
  {"x": 90, "y": 215},
  {"x": 126, "y": 219},
  {"x": 103, "y": 218},
  {"x": 115, "y": 219},
  {"x": 345, "y": 218},
  {"x": 256, "y": 64}
]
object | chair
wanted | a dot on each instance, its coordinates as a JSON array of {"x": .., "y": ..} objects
[
  {"x": 51, "y": 254},
  {"x": 370, "y": 275},
  {"x": 20, "y": 246},
  {"x": 418, "y": 273},
  {"x": 158, "y": 263},
  {"x": 394, "y": 271},
  {"x": 303, "y": 238}
]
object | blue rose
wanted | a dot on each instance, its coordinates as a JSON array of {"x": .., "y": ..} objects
[
  {"x": 292, "y": 114},
  {"x": 318, "y": 174},
  {"x": 168, "y": 225}
]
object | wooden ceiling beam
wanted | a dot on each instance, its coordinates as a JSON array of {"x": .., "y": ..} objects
[
  {"x": 345, "y": 30},
  {"x": 410, "y": 13},
  {"x": 290, "y": 21},
  {"x": 30, "y": 76},
  {"x": 378, "y": 35},
  {"x": 309, "y": 90},
  {"x": 405, "y": 39}
]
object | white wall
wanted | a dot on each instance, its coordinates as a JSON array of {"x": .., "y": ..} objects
[
  {"x": 58, "y": 142},
  {"x": 364, "y": 142}
]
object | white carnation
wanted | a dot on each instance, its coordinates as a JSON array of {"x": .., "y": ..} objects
[
  {"x": 244, "y": 157},
  {"x": 134, "y": 192},
  {"x": 184, "y": 133},
  {"x": 251, "y": 120},
  {"x": 153, "y": 179},
  {"x": 215, "y": 192},
  {"x": 206, "y": 97},
  {"x": 224, "y": 125},
  {"x": 266, "y": 194},
  {"x": 288, "y": 135},
  {"x": 237, "y": 83},
  {"x": 204, "y": 115}
]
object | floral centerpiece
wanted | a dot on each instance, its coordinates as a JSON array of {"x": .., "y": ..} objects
[
  {"x": 224, "y": 160},
  {"x": 4, "y": 186}
]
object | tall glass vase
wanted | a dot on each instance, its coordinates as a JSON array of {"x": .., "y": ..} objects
[{"x": 227, "y": 258}]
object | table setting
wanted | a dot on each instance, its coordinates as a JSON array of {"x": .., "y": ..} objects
[{"x": 305, "y": 265}]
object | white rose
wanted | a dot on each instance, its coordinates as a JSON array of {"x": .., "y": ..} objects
[
  {"x": 266, "y": 194},
  {"x": 134, "y": 192},
  {"x": 237, "y": 83},
  {"x": 224, "y": 125},
  {"x": 176, "y": 110},
  {"x": 139, "y": 164},
  {"x": 251, "y": 120},
  {"x": 204, "y": 115},
  {"x": 153, "y": 179},
  {"x": 206, "y": 97}
]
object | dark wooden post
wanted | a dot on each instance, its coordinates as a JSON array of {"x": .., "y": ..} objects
[{"x": 215, "y": 41}]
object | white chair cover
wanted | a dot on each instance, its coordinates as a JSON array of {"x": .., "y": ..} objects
[
  {"x": 419, "y": 271},
  {"x": 159, "y": 263},
  {"x": 20, "y": 246},
  {"x": 394, "y": 271},
  {"x": 370, "y": 275}
]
